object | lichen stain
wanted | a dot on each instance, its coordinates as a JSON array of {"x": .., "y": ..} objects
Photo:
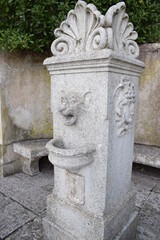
[
  {"x": 148, "y": 114},
  {"x": 148, "y": 74},
  {"x": 45, "y": 132}
]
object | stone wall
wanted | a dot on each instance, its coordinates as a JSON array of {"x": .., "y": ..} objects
[
  {"x": 148, "y": 114},
  {"x": 25, "y": 104}
]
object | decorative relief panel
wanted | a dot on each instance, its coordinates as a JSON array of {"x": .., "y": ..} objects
[
  {"x": 72, "y": 104},
  {"x": 124, "y": 99},
  {"x": 75, "y": 188},
  {"x": 86, "y": 29}
]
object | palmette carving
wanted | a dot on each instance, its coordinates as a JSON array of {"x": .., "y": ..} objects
[
  {"x": 124, "y": 99},
  {"x": 86, "y": 29},
  {"x": 82, "y": 30},
  {"x": 122, "y": 31}
]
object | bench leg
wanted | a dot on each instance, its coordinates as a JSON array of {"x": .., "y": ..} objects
[{"x": 30, "y": 166}]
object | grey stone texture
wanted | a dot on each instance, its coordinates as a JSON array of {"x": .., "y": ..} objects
[
  {"x": 19, "y": 222},
  {"x": 149, "y": 212},
  {"x": 12, "y": 217},
  {"x": 148, "y": 113},
  {"x": 94, "y": 91},
  {"x": 22, "y": 118},
  {"x": 31, "y": 151},
  {"x": 147, "y": 155},
  {"x": 25, "y": 105},
  {"x": 23, "y": 205}
]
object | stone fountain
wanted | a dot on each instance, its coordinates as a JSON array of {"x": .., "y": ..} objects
[{"x": 94, "y": 87}]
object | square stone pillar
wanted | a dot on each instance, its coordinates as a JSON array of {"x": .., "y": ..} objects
[{"x": 94, "y": 82}]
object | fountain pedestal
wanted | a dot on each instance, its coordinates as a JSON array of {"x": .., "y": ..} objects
[{"x": 94, "y": 82}]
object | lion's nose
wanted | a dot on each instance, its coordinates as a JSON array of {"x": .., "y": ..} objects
[{"x": 62, "y": 108}]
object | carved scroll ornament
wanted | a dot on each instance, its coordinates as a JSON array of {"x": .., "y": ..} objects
[
  {"x": 124, "y": 99},
  {"x": 86, "y": 29}
]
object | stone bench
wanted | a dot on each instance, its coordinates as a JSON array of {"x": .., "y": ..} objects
[
  {"x": 31, "y": 151},
  {"x": 147, "y": 155}
]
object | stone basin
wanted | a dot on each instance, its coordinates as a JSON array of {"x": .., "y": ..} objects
[{"x": 70, "y": 159}]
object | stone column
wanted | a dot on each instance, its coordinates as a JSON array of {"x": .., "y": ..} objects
[{"x": 94, "y": 82}]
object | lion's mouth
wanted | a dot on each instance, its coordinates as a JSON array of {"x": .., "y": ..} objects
[
  {"x": 69, "y": 116},
  {"x": 70, "y": 119}
]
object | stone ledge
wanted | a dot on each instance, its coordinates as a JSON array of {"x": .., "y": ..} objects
[
  {"x": 32, "y": 148},
  {"x": 147, "y": 155}
]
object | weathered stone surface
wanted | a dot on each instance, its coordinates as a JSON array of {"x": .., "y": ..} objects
[
  {"x": 4, "y": 201},
  {"x": 148, "y": 227},
  {"x": 9, "y": 162},
  {"x": 12, "y": 217},
  {"x": 153, "y": 200},
  {"x": 148, "y": 224},
  {"x": 157, "y": 187},
  {"x": 147, "y": 155},
  {"x": 18, "y": 189},
  {"x": 30, "y": 231},
  {"x": 143, "y": 188},
  {"x": 94, "y": 90},
  {"x": 31, "y": 152},
  {"x": 141, "y": 197},
  {"x": 47, "y": 182},
  {"x": 26, "y": 194},
  {"x": 129, "y": 229},
  {"x": 32, "y": 149},
  {"x": 25, "y": 102},
  {"x": 148, "y": 113},
  {"x": 141, "y": 182}
]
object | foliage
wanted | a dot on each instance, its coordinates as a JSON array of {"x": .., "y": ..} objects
[{"x": 30, "y": 24}]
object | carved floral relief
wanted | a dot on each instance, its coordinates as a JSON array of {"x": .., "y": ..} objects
[{"x": 124, "y": 99}]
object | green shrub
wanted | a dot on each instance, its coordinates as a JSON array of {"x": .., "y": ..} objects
[{"x": 29, "y": 24}]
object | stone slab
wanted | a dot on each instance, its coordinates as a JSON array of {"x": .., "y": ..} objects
[
  {"x": 128, "y": 232},
  {"x": 30, "y": 231},
  {"x": 149, "y": 219},
  {"x": 33, "y": 198},
  {"x": 141, "y": 182},
  {"x": 32, "y": 149},
  {"x": 157, "y": 186},
  {"x": 12, "y": 217},
  {"x": 47, "y": 176},
  {"x": 147, "y": 155},
  {"x": 143, "y": 187},
  {"x": 153, "y": 201},
  {"x": 31, "y": 152},
  {"x": 148, "y": 226},
  {"x": 141, "y": 197},
  {"x": 4, "y": 201}
]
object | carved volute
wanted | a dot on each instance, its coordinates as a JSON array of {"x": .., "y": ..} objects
[{"x": 86, "y": 29}]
